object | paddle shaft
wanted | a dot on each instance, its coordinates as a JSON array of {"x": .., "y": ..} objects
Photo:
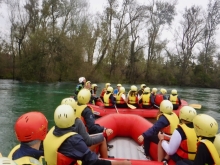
[{"x": 116, "y": 109}]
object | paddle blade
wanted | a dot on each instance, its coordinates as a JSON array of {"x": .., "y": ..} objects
[
  {"x": 196, "y": 106},
  {"x": 131, "y": 106}
]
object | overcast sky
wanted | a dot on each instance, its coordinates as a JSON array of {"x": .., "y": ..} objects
[{"x": 97, "y": 6}]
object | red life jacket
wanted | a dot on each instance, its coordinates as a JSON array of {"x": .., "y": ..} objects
[{"x": 158, "y": 99}]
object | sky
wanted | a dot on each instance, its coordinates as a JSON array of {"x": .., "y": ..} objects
[{"x": 97, "y": 6}]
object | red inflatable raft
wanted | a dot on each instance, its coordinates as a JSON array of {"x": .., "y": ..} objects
[
  {"x": 126, "y": 129},
  {"x": 100, "y": 110}
]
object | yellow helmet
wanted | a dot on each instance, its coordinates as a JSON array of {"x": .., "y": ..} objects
[
  {"x": 122, "y": 90},
  {"x": 163, "y": 91},
  {"x": 174, "y": 92},
  {"x": 187, "y": 113},
  {"x": 119, "y": 85},
  {"x": 146, "y": 90},
  {"x": 154, "y": 90},
  {"x": 88, "y": 82},
  {"x": 205, "y": 125},
  {"x": 6, "y": 161},
  {"x": 83, "y": 96},
  {"x": 217, "y": 143},
  {"x": 110, "y": 89},
  {"x": 69, "y": 101},
  {"x": 107, "y": 85},
  {"x": 134, "y": 88},
  {"x": 64, "y": 116},
  {"x": 94, "y": 85},
  {"x": 166, "y": 107},
  {"x": 143, "y": 86}
]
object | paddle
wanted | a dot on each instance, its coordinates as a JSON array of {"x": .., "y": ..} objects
[
  {"x": 196, "y": 106},
  {"x": 116, "y": 109},
  {"x": 131, "y": 106}
]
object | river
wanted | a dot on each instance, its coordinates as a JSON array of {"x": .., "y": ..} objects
[{"x": 17, "y": 98}]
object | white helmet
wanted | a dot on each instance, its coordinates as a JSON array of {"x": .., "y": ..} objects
[
  {"x": 81, "y": 79},
  {"x": 6, "y": 161},
  {"x": 64, "y": 116}
]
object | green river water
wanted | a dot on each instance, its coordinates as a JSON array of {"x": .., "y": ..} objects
[{"x": 17, "y": 98}]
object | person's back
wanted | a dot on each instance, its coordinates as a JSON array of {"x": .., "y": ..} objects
[
  {"x": 121, "y": 98},
  {"x": 160, "y": 97},
  {"x": 109, "y": 99},
  {"x": 104, "y": 90},
  {"x": 30, "y": 129},
  {"x": 140, "y": 92},
  {"x": 167, "y": 122},
  {"x": 182, "y": 144},
  {"x": 68, "y": 146},
  {"x": 208, "y": 147},
  {"x": 132, "y": 96},
  {"x": 175, "y": 99},
  {"x": 145, "y": 99},
  {"x": 79, "y": 86}
]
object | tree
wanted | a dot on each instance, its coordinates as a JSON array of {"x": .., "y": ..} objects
[{"x": 189, "y": 34}]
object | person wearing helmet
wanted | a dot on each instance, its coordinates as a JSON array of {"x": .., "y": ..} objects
[
  {"x": 206, "y": 128},
  {"x": 175, "y": 99},
  {"x": 117, "y": 89},
  {"x": 121, "y": 98},
  {"x": 109, "y": 99},
  {"x": 145, "y": 99},
  {"x": 152, "y": 97},
  {"x": 80, "y": 85},
  {"x": 94, "y": 89},
  {"x": 84, "y": 112},
  {"x": 104, "y": 90},
  {"x": 160, "y": 97},
  {"x": 132, "y": 96},
  {"x": 140, "y": 92},
  {"x": 30, "y": 129},
  {"x": 6, "y": 161},
  {"x": 182, "y": 145},
  {"x": 68, "y": 146},
  {"x": 167, "y": 122}
]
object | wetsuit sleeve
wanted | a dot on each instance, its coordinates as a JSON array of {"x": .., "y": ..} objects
[
  {"x": 203, "y": 156},
  {"x": 154, "y": 130},
  {"x": 75, "y": 147},
  {"x": 174, "y": 143},
  {"x": 81, "y": 129},
  {"x": 112, "y": 98},
  {"x": 90, "y": 122},
  {"x": 152, "y": 99}
]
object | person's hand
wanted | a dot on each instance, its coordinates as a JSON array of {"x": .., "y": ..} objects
[
  {"x": 140, "y": 138},
  {"x": 108, "y": 131},
  {"x": 161, "y": 136}
]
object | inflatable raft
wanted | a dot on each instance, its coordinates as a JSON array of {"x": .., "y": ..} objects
[
  {"x": 126, "y": 129},
  {"x": 100, "y": 110}
]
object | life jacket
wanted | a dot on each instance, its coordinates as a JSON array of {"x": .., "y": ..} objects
[
  {"x": 174, "y": 99},
  {"x": 79, "y": 110},
  {"x": 173, "y": 120},
  {"x": 158, "y": 99},
  {"x": 107, "y": 101},
  {"x": 187, "y": 149},
  {"x": 146, "y": 99},
  {"x": 78, "y": 88},
  {"x": 51, "y": 146},
  {"x": 212, "y": 150},
  {"x": 26, "y": 159},
  {"x": 119, "y": 99},
  {"x": 103, "y": 92},
  {"x": 132, "y": 99}
]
